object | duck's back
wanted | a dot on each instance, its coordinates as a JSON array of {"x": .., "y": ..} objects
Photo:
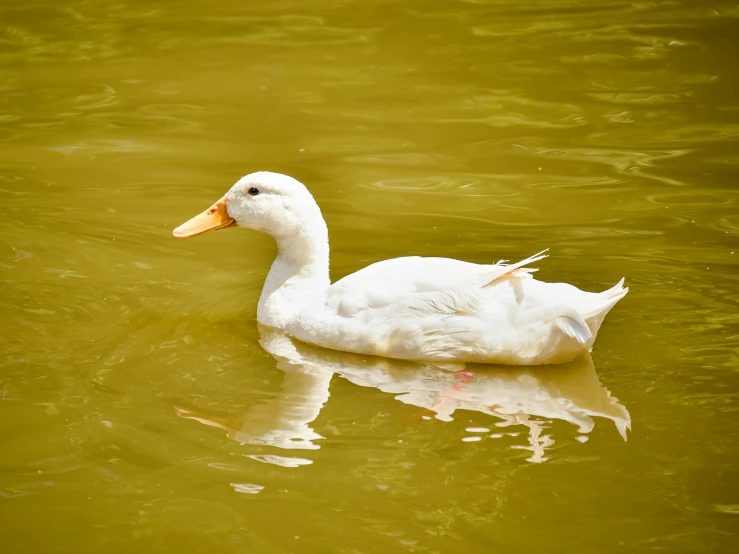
[{"x": 443, "y": 309}]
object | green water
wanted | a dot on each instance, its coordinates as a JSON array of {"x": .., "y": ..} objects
[{"x": 139, "y": 411}]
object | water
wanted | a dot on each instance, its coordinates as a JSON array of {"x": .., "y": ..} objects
[{"x": 138, "y": 410}]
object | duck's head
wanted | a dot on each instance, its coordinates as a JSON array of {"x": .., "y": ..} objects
[{"x": 262, "y": 201}]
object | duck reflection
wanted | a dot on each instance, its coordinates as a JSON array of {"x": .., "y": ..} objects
[{"x": 527, "y": 397}]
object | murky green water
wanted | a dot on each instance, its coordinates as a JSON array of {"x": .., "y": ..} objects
[{"x": 138, "y": 410}]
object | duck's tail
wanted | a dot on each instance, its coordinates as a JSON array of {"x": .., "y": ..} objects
[{"x": 597, "y": 311}]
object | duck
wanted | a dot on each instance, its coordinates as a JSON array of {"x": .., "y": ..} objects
[{"x": 411, "y": 308}]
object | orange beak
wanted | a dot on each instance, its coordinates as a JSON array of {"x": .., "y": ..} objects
[{"x": 215, "y": 217}]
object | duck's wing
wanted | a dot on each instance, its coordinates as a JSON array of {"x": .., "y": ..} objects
[
  {"x": 420, "y": 285},
  {"x": 439, "y": 308}
]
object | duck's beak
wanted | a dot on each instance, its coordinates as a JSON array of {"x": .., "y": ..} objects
[{"x": 215, "y": 217}]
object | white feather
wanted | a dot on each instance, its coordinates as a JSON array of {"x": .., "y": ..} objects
[
  {"x": 574, "y": 329},
  {"x": 433, "y": 309}
]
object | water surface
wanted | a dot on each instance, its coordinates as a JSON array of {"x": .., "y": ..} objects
[{"x": 141, "y": 407}]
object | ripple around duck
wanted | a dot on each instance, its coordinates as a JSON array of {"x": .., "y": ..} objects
[
  {"x": 159, "y": 119},
  {"x": 70, "y": 97},
  {"x": 622, "y": 161},
  {"x": 162, "y": 124},
  {"x": 172, "y": 109},
  {"x": 77, "y": 108},
  {"x": 360, "y": 144},
  {"x": 289, "y": 31},
  {"x": 727, "y": 160},
  {"x": 641, "y": 37},
  {"x": 694, "y": 198},
  {"x": 423, "y": 183},
  {"x": 497, "y": 30},
  {"x": 412, "y": 159},
  {"x": 598, "y": 185},
  {"x": 647, "y": 98},
  {"x": 282, "y": 461},
  {"x": 699, "y": 134},
  {"x": 105, "y": 146},
  {"x": 505, "y": 108},
  {"x": 44, "y": 33},
  {"x": 493, "y": 187},
  {"x": 729, "y": 223}
]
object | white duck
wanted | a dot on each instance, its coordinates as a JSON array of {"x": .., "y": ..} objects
[{"x": 434, "y": 309}]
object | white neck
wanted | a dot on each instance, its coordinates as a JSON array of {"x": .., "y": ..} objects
[{"x": 298, "y": 274}]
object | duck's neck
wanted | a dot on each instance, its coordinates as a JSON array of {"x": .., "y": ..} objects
[{"x": 298, "y": 275}]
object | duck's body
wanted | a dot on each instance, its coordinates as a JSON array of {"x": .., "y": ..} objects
[
  {"x": 448, "y": 310},
  {"x": 411, "y": 308}
]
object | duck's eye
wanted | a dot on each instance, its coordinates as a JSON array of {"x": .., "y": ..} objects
[{"x": 254, "y": 191}]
